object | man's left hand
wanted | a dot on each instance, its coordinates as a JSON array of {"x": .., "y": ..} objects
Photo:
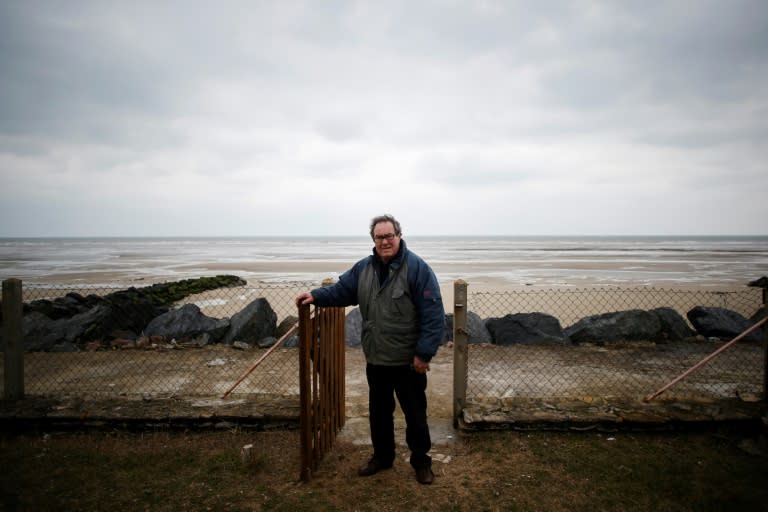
[{"x": 420, "y": 366}]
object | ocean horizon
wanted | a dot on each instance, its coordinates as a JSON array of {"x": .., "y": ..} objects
[{"x": 526, "y": 260}]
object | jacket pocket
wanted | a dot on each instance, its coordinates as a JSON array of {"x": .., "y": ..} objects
[{"x": 401, "y": 305}]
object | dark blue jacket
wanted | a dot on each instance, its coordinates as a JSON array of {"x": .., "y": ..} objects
[{"x": 423, "y": 288}]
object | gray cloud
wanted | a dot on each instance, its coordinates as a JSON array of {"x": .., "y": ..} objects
[{"x": 548, "y": 111}]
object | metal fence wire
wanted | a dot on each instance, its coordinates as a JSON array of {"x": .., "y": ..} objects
[
  {"x": 129, "y": 363},
  {"x": 618, "y": 370},
  {"x": 126, "y": 363}
]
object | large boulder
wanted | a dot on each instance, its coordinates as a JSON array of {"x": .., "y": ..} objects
[
  {"x": 253, "y": 323},
  {"x": 631, "y": 325},
  {"x": 129, "y": 310},
  {"x": 721, "y": 323},
  {"x": 62, "y": 307},
  {"x": 673, "y": 325},
  {"x": 285, "y": 325},
  {"x": 79, "y": 320},
  {"x": 758, "y": 315},
  {"x": 186, "y": 323},
  {"x": 527, "y": 329},
  {"x": 42, "y": 333},
  {"x": 353, "y": 328},
  {"x": 477, "y": 332}
]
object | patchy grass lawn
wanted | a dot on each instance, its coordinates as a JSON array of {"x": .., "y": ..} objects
[{"x": 511, "y": 471}]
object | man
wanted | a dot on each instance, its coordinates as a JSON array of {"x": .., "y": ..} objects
[{"x": 403, "y": 325}]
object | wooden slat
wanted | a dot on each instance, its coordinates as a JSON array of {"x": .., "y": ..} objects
[{"x": 322, "y": 384}]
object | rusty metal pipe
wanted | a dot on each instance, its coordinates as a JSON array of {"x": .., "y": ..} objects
[
  {"x": 703, "y": 361},
  {"x": 261, "y": 359}
]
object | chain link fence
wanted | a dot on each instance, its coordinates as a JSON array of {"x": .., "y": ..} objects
[
  {"x": 128, "y": 363},
  {"x": 89, "y": 359},
  {"x": 620, "y": 369}
]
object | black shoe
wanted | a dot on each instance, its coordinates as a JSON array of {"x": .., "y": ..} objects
[
  {"x": 372, "y": 467},
  {"x": 424, "y": 475}
]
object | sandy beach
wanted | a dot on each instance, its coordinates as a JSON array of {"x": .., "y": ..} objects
[
  {"x": 481, "y": 275},
  {"x": 569, "y": 277},
  {"x": 490, "y": 262},
  {"x": 488, "y": 296}
]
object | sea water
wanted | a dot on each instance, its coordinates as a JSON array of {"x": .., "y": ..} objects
[{"x": 509, "y": 260}]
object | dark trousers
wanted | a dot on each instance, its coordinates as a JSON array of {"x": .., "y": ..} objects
[{"x": 384, "y": 383}]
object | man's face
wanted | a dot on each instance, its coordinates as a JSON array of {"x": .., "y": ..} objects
[{"x": 386, "y": 240}]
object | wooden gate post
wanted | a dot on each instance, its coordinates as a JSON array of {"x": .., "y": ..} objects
[
  {"x": 460, "y": 339},
  {"x": 305, "y": 391},
  {"x": 13, "y": 340}
]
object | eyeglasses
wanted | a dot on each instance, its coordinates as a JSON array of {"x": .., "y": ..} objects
[{"x": 388, "y": 237}]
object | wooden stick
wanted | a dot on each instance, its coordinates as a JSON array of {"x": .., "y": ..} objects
[
  {"x": 262, "y": 358},
  {"x": 703, "y": 361}
]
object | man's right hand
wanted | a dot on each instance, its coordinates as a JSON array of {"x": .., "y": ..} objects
[{"x": 304, "y": 298}]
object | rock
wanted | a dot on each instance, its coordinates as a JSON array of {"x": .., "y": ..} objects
[
  {"x": 285, "y": 325},
  {"x": 721, "y": 323},
  {"x": 165, "y": 294},
  {"x": 353, "y": 328},
  {"x": 41, "y": 333},
  {"x": 122, "y": 343},
  {"x": 758, "y": 315},
  {"x": 673, "y": 325},
  {"x": 526, "y": 329},
  {"x": 148, "y": 342},
  {"x": 266, "y": 342},
  {"x": 631, "y": 325},
  {"x": 64, "y": 347},
  {"x": 477, "y": 331},
  {"x": 198, "y": 342},
  {"x": 292, "y": 341},
  {"x": 186, "y": 323},
  {"x": 127, "y": 310},
  {"x": 253, "y": 323},
  {"x": 121, "y": 311},
  {"x": 62, "y": 307},
  {"x": 86, "y": 320}
]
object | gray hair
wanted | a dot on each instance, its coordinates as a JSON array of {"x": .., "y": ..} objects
[{"x": 385, "y": 218}]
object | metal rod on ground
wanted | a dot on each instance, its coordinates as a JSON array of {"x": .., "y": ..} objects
[
  {"x": 262, "y": 358},
  {"x": 703, "y": 361}
]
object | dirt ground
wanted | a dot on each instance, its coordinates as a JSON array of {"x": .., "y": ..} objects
[{"x": 184, "y": 389}]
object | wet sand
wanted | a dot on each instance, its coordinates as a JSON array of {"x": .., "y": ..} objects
[{"x": 585, "y": 294}]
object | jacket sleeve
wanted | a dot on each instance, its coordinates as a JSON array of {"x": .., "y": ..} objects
[
  {"x": 341, "y": 293},
  {"x": 429, "y": 304}
]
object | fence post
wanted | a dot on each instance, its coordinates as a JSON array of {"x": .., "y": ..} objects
[
  {"x": 765, "y": 344},
  {"x": 13, "y": 339},
  {"x": 460, "y": 335}
]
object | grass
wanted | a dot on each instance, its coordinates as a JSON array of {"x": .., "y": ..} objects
[{"x": 487, "y": 471}]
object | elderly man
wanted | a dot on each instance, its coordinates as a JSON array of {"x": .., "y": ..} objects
[{"x": 403, "y": 325}]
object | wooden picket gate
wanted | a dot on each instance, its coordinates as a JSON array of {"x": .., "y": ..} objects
[{"x": 321, "y": 383}]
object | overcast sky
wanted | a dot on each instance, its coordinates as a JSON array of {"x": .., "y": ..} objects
[{"x": 122, "y": 118}]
